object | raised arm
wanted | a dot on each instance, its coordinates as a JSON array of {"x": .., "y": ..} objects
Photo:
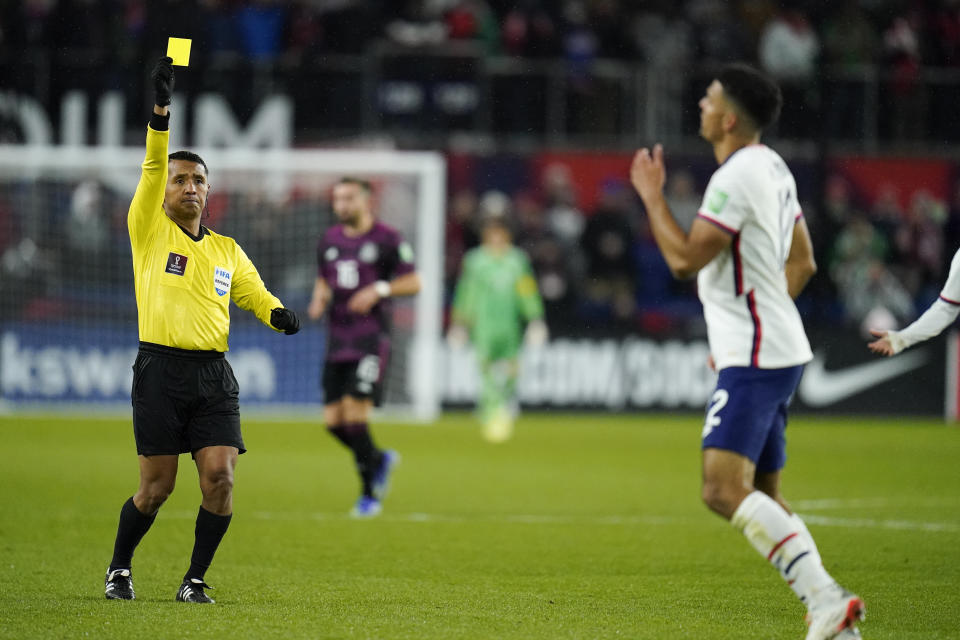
[
  {"x": 147, "y": 202},
  {"x": 684, "y": 253},
  {"x": 940, "y": 315}
]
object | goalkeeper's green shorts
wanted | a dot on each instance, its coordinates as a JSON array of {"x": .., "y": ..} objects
[{"x": 502, "y": 346}]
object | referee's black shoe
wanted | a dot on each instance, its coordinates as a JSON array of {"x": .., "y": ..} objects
[
  {"x": 119, "y": 585},
  {"x": 192, "y": 591}
]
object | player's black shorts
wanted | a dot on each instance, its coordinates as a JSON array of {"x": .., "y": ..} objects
[
  {"x": 359, "y": 379},
  {"x": 184, "y": 401}
]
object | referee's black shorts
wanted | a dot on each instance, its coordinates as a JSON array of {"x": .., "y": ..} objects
[{"x": 184, "y": 401}]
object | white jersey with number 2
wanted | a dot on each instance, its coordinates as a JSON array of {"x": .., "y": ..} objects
[{"x": 751, "y": 319}]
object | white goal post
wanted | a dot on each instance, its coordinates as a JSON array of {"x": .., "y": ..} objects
[{"x": 66, "y": 288}]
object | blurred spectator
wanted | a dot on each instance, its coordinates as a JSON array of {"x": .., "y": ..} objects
[
  {"x": 87, "y": 234},
  {"x": 473, "y": 20},
  {"x": 607, "y": 242},
  {"x": 862, "y": 278},
  {"x": 722, "y": 38},
  {"x": 906, "y": 95},
  {"x": 857, "y": 243},
  {"x": 564, "y": 218},
  {"x": 788, "y": 51},
  {"x": 528, "y": 30},
  {"x": 946, "y": 53},
  {"x": 461, "y": 234},
  {"x": 682, "y": 196},
  {"x": 870, "y": 289},
  {"x": 887, "y": 215},
  {"x": 222, "y": 27},
  {"x": 261, "y": 24},
  {"x": 417, "y": 24},
  {"x": 606, "y": 19},
  {"x": 850, "y": 41},
  {"x": 919, "y": 242},
  {"x": 26, "y": 25},
  {"x": 838, "y": 208},
  {"x": 348, "y": 26},
  {"x": 25, "y": 276},
  {"x": 591, "y": 99},
  {"x": 951, "y": 228},
  {"x": 553, "y": 262}
]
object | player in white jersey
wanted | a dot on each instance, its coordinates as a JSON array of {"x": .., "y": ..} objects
[
  {"x": 751, "y": 250},
  {"x": 934, "y": 320}
]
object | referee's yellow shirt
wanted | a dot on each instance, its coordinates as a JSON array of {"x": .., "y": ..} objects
[{"x": 184, "y": 286}]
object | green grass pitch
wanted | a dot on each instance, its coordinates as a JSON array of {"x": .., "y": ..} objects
[{"x": 583, "y": 526}]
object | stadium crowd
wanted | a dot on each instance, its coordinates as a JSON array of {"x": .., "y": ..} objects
[
  {"x": 599, "y": 265},
  {"x": 878, "y": 264}
]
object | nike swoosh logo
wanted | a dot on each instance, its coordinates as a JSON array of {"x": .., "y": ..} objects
[{"x": 820, "y": 388}]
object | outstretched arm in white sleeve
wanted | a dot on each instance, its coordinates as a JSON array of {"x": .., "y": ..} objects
[{"x": 934, "y": 320}]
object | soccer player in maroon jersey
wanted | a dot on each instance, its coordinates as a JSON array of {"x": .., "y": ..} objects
[{"x": 362, "y": 263}]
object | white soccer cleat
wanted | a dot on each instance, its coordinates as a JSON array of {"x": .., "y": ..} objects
[
  {"x": 850, "y": 633},
  {"x": 836, "y": 615}
]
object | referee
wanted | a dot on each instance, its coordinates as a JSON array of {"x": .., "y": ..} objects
[{"x": 184, "y": 391}]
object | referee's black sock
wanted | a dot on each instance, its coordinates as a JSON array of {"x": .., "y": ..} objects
[
  {"x": 209, "y": 532},
  {"x": 133, "y": 526}
]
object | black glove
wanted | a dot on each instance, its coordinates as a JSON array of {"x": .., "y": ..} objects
[
  {"x": 162, "y": 76},
  {"x": 285, "y": 320}
]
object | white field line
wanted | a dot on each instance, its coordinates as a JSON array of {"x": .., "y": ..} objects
[
  {"x": 871, "y": 523},
  {"x": 650, "y": 520},
  {"x": 826, "y": 504}
]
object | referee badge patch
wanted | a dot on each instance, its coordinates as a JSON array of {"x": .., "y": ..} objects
[
  {"x": 176, "y": 264},
  {"x": 221, "y": 281}
]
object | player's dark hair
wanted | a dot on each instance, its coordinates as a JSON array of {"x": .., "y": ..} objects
[
  {"x": 360, "y": 182},
  {"x": 189, "y": 156},
  {"x": 755, "y": 93}
]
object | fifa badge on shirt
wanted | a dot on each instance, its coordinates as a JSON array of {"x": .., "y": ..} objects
[
  {"x": 330, "y": 254},
  {"x": 176, "y": 264},
  {"x": 368, "y": 252},
  {"x": 221, "y": 281},
  {"x": 716, "y": 201}
]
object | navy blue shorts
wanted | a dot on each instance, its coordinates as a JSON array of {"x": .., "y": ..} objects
[{"x": 748, "y": 414}]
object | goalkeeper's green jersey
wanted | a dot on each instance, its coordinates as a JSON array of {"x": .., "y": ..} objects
[
  {"x": 183, "y": 284},
  {"x": 496, "y": 293}
]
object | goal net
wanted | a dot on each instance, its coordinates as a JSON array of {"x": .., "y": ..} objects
[{"x": 68, "y": 324}]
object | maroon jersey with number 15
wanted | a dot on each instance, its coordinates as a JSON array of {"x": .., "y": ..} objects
[{"x": 348, "y": 264}]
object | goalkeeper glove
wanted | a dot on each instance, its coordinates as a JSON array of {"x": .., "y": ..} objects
[
  {"x": 536, "y": 334},
  {"x": 285, "y": 320},
  {"x": 162, "y": 76},
  {"x": 457, "y": 336}
]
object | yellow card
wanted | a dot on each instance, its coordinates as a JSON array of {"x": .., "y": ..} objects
[{"x": 179, "y": 50}]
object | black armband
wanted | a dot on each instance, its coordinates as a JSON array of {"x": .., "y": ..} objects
[{"x": 159, "y": 122}]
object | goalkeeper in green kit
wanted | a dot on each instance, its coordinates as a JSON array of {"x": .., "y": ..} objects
[{"x": 496, "y": 296}]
